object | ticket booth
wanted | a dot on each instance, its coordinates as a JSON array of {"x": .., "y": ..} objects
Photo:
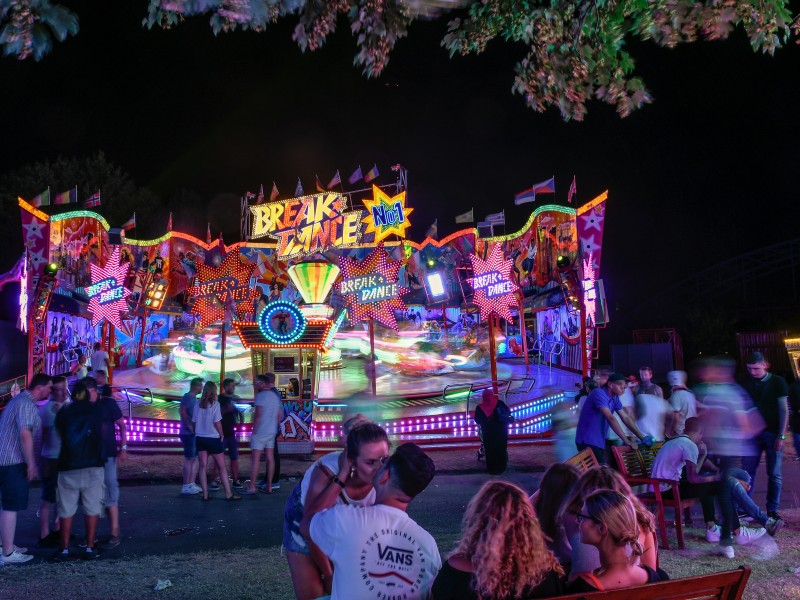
[{"x": 289, "y": 340}]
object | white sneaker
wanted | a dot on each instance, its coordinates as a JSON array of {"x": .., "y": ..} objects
[
  {"x": 714, "y": 534},
  {"x": 748, "y": 534},
  {"x": 726, "y": 551},
  {"x": 188, "y": 490},
  {"x": 15, "y": 558},
  {"x": 197, "y": 489}
]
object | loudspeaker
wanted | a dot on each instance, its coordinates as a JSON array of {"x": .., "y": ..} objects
[{"x": 116, "y": 237}]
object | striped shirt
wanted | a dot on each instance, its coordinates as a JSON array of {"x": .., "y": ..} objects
[{"x": 20, "y": 413}]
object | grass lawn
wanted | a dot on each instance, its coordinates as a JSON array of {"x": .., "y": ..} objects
[{"x": 263, "y": 573}]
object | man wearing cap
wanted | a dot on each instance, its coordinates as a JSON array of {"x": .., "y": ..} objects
[
  {"x": 379, "y": 551},
  {"x": 597, "y": 416},
  {"x": 769, "y": 393},
  {"x": 684, "y": 403}
]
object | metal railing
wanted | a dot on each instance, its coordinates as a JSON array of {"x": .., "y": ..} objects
[
  {"x": 548, "y": 348},
  {"x": 505, "y": 387},
  {"x": 136, "y": 390}
]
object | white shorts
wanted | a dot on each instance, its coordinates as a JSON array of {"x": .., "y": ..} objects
[{"x": 261, "y": 441}]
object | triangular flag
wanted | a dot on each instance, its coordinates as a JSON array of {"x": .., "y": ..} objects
[
  {"x": 298, "y": 191},
  {"x": 337, "y": 180},
  {"x": 260, "y": 198},
  {"x": 573, "y": 189},
  {"x": 273, "y": 195},
  {"x": 371, "y": 174},
  {"x": 356, "y": 176},
  {"x": 319, "y": 185}
]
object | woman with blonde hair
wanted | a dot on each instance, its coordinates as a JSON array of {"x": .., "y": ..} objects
[
  {"x": 502, "y": 554},
  {"x": 608, "y": 521},
  {"x": 343, "y": 477},
  {"x": 584, "y": 556},
  {"x": 208, "y": 437}
]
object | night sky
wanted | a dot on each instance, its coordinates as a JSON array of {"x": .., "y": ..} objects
[{"x": 705, "y": 173}]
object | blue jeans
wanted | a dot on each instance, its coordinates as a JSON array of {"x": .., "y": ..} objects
[
  {"x": 765, "y": 443},
  {"x": 741, "y": 498}
]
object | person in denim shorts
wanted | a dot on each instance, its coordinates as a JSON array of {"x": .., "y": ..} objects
[{"x": 190, "y": 462}]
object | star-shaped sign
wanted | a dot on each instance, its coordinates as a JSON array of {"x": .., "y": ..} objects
[
  {"x": 386, "y": 215},
  {"x": 493, "y": 283},
  {"x": 218, "y": 287},
  {"x": 370, "y": 287},
  {"x": 107, "y": 293}
]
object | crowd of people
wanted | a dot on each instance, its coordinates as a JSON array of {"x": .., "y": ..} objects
[
  {"x": 80, "y": 441},
  {"x": 346, "y": 530}
]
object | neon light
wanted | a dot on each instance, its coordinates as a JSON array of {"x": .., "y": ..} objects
[
  {"x": 219, "y": 287},
  {"x": 32, "y": 209},
  {"x": 308, "y": 224},
  {"x": 283, "y": 332},
  {"x": 386, "y": 215},
  {"x": 23, "y": 297},
  {"x": 369, "y": 288},
  {"x": 384, "y": 271},
  {"x": 334, "y": 330},
  {"x": 107, "y": 293},
  {"x": 313, "y": 280},
  {"x": 592, "y": 203},
  {"x": 76, "y": 214},
  {"x": 493, "y": 285}
]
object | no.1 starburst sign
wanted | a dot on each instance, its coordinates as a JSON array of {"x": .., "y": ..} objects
[
  {"x": 107, "y": 294},
  {"x": 493, "y": 284},
  {"x": 370, "y": 287}
]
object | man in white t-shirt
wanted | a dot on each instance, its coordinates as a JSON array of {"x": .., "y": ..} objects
[
  {"x": 267, "y": 419},
  {"x": 379, "y": 551},
  {"x": 99, "y": 359},
  {"x": 684, "y": 403},
  {"x": 688, "y": 450}
]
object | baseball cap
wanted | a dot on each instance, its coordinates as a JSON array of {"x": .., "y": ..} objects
[{"x": 676, "y": 378}]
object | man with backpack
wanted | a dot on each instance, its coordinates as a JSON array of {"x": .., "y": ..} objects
[{"x": 80, "y": 468}]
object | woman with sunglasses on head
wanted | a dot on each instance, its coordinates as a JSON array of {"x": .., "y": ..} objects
[
  {"x": 584, "y": 556},
  {"x": 607, "y": 520},
  {"x": 343, "y": 477},
  {"x": 502, "y": 554}
]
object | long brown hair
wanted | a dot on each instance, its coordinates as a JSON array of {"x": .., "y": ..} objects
[
  {"x": 617, "y": 512},
  {"x": 504, "y": 543},
  {"x": 604, "y": 477},
  {"x": 209, "y": 395},
  {"x": 558, "y": 479}
]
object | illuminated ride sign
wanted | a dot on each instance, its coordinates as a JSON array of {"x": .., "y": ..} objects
[
  {"x": 370, "y": 287},
  {"x": 386, "y": 215},
  {"x": 216, "y": 288},
  {"x": 312, "y": 224},
  {"x": 281, "y": 322},
  {"x": 308, "y": 224},
  {"x": 493, "y": 285},
  {"x": 107, "y": 292}
]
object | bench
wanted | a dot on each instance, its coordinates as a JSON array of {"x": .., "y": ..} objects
[
  {"x": 583, "y": 460},
  {"x": 728, "y": 585}
]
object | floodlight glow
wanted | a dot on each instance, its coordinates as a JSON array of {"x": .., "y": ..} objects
[{"x": 436, "y": 285}]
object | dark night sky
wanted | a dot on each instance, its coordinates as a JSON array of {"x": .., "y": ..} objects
[{"x": 704, "y": 173}]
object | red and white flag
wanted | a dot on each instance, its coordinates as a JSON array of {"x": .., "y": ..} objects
[{"x": 572, "y": 190}]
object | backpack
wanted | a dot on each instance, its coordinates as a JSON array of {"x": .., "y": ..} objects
[{"x": 81, "y": 439}]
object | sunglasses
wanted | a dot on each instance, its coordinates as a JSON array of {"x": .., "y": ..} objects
[{"x": 580, "y": 517}]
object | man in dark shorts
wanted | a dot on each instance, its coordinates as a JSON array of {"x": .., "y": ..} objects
[
  {"x": 230, "y": 417},
  {"x": 19, "y": 427},
  {"x": 190, "y": 461}
]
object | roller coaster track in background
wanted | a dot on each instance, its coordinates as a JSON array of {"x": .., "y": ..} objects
[{"x": 740, "y": 274}]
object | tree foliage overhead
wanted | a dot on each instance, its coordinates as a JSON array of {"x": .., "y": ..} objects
[{"x": 576, "y": 48}]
